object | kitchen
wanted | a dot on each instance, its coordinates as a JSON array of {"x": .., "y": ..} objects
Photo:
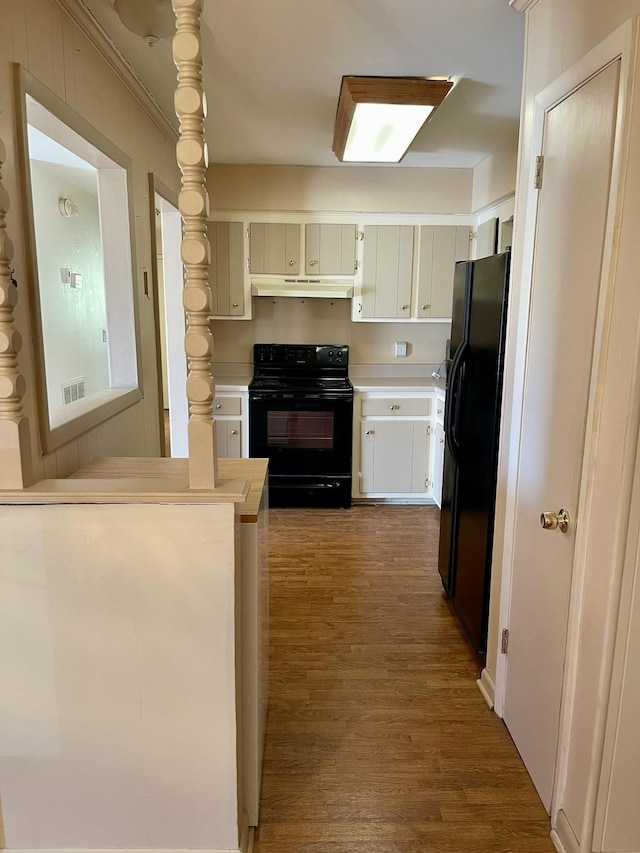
[
  {"x": 318, "y": 317},
  {"x": 568, "y": 44}
]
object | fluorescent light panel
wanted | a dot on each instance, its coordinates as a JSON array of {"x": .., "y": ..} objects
[
  {"x": 378, "y": 117},
  {"x": 381, "y": 133}
]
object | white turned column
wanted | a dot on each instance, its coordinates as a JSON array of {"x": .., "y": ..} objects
[
  {"x": 15, "y": 468},
  {"x": 193, "y": 202}
]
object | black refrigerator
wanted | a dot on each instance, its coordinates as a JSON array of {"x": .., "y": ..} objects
[{"x": 472, "y": 422}]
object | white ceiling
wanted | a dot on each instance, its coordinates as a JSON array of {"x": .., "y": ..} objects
[{"x": 273, "y": 70}]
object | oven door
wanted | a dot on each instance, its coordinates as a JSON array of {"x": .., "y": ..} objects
[{"x": 302, "y": 434}]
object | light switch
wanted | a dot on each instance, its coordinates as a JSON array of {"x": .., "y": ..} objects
[{"x": 401, "y": 349}]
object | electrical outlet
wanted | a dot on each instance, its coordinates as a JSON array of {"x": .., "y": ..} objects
[{"x": 401, "y": 349}]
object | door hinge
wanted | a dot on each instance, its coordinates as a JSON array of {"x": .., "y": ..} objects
[
  {"x": 504, "y": 645},
  {"x": 537, "y": 175},
  {"x": 429, "y": 429}
]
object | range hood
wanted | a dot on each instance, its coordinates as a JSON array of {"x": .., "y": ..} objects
[{"x": 324, "y": 288}]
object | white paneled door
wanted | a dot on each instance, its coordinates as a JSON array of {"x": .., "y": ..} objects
[{"x": 578, "y": 143}]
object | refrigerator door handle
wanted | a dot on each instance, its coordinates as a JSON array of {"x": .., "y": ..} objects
[
  {"x": 457, "y": 404},
  {"x": 452, "y": 403}
]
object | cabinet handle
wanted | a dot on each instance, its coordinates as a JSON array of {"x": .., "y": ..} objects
[
  {"x": 360, "y": 308},
  {"x": 442, "y": 441},
  {"x": 234, "y": 432},
  {"x": 424, "y": 307},
  {"x": 405, "y": 307},
  {"x": 312, "y": 263},
  {"x": 369, "y": 432},
  {"x": 235, "y": 304},
  {"x": 394, "y": 407},
  {"x": 439, "y": 411},
  {"x": 218, "y": 405},
  {"x": 291, "y": 263}
]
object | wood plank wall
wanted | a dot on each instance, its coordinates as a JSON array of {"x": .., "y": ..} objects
[{"x": 44, "y": 39}]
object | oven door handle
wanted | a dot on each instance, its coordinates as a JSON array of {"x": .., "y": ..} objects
[{"x": 298, "y": 398}]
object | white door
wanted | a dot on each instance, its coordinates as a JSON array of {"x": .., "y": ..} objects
[{"x": 578, "y": 141}]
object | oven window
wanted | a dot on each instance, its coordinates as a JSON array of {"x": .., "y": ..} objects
[{"x": 304, "y": 430}]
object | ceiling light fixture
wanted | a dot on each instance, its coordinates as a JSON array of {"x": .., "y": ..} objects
[
  {"x": 378, "y": 117},
  {"x": 151, "y": 19}
]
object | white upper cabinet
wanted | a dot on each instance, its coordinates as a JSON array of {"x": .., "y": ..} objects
[
  {"x": 440, "y": 247},
  {"x": 330, "y": 249},
  {"x": 387, "y": 272},
  {"x": 226, "y": 275},
  {"x": 274, "y": 248}
]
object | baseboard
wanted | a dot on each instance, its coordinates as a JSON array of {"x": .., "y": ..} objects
[
  {"x": 563, "y": 836},
  {"x": 487, "y": 686}
]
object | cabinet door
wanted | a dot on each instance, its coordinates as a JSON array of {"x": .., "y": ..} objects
[
  {"x": 440, "y": 247},
  {"x": 387, "y": 271},
  {"x": 394, "y": 457},
  {"x": 438, "y": 463},
  {"x": 330, "y": 249},
  {"x": 227, "y": 268},
  {"x": 274, "y": 248},
  {"x": 228, "y": 439}
]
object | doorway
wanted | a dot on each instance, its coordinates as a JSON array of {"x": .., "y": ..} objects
[{"x": 168, "y": 283}]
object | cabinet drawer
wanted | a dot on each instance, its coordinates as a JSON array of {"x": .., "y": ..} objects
[
  {"x": 227, "y": 405},
  {"x": 415, "y": 407}
]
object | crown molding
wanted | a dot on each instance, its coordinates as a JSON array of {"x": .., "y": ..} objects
[
  {"x": 523, "y": 5},
  {"x": 96, "y": 35}
]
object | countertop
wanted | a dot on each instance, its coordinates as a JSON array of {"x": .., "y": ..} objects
[
  {"x": 142, "y": 479},
  {"x": 397, "y": 383}
]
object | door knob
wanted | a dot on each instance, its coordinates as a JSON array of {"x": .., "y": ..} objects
[{"x": 553, "y": 520}]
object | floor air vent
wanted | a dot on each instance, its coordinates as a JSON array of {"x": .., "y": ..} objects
[{"x": 72, "y": 391}]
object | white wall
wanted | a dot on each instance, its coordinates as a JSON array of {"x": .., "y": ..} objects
[
  {"x": 340, "y": 188},
  {"x": 495, "y": 177},
  {"x": 293, "y": 321},
  {"x": 73, "y": 319},
  {"x": 40, "y": 36}
]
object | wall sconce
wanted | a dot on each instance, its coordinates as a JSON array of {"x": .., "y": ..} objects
[
  {"x": 151, "y": 19},
  {"x": 68, "y": 207},
  {"x": 378, "y": 117}
]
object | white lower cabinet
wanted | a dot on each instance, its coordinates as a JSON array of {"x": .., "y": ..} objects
[
  {"x": 230, "y": 409},
  {"x": 229, "y": 438},
  {"x": 438, "y": 462},
  {"x": 394, "y": 452},
  {"x": 437, "y": 459}
]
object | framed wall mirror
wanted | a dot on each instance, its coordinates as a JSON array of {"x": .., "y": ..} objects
[{"x": 77, "y": 194}]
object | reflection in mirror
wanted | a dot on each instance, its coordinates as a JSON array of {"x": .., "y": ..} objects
[{"x": 81, "y": 251}]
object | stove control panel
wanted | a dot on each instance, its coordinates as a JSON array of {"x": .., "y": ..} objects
[{"x": 302, "y": 355}]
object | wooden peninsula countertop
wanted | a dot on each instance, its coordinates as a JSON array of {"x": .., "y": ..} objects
[{"x": 150, "y": 479}]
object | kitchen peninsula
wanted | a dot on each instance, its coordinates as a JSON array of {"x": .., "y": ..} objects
[{"x": 136, "y": 629}]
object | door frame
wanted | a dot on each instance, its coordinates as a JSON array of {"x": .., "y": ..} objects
[
  {"x": 173, "y": 314},
  {"x": 613, "y": 401}
]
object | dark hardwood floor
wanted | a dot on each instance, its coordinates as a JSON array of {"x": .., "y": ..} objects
[{"x": 378, "y": 740}]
